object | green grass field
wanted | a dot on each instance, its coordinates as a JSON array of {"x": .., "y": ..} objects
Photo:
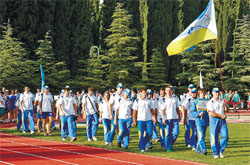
[{"x": 237, "y": 151}]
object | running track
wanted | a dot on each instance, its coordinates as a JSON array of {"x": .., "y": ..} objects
[{"x": 25, "y": 150}]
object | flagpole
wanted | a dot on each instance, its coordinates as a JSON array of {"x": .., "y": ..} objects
[{"x": 218, "y": 53}]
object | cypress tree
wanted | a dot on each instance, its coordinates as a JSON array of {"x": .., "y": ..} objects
[
  {"x": 200, "y": 59},
  {"x": 156, "y": 70},
  {"x": 239, "y": 66},
  {"x": 55, "y": 71},
  {"x": 122, "y": 46}
]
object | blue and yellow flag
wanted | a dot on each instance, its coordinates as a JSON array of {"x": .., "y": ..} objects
[
  {"x": 43, "y": 77},
  {"x": 203, "y": 28}
]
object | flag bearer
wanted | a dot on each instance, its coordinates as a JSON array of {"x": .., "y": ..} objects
[{"x": 216, "y": 109}]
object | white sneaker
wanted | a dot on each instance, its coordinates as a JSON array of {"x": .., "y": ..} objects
[
  {"x": 221, "y": 155},
  {"x": 89, "y": 140},
  {"x": 216, "y": 156},
  {"x": 63, "y": 139},
  {"x": 106, "y": 143},
  {"x": 32, "y": 132},
  {"x": 24, "y": 132},
  {"x": 193, "y": 149},
  {"x": 142, "y": 150},
  {"x": 189, "y": 146},
  {"x": 94, "y": 138}
]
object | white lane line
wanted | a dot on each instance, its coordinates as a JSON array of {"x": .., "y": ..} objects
[
  {"x": 105, "y": 149},
  {"x": 72, "y": 152},
  {"x": 6, "y": 162},
  {"x": 37, "y": 156}
]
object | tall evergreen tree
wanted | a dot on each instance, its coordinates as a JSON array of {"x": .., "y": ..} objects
[
  {"x": 156, "y": 70},
  {"x": 55, "y": 71},
  {"x": 15, "y": 69},
  {"x": 122, "y": 45},
  {"x": 200, "y": 59},
  {"x": 107, "y": 10},
  {"x": 239, "y": 67}
]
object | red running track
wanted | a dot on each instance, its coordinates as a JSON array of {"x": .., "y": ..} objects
[{"x": 25, "y": 150}]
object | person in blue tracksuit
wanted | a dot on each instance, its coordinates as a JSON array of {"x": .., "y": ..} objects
[
  {"x": 123, "y": 111},
  {"x": 89, "y": 110},
  {"x": 143, "y": 114},
  {"x": 19, "y": 115},
  {"x": 26, "y": 103},
  {"x": 159, "y": 117},
  {"x": 199, "y": 112},
  {"x": 155, "y": 134},
  {"x": 192, "y": 138},
  {"x": 113, "y": 100},
  {"x": 105, "y": 117},
  {"x": 216, "y": 109},
  {"x": 67, "y": 108},
  {"x": 170, "y": 118},
  {"x": 184, "y": 100}
]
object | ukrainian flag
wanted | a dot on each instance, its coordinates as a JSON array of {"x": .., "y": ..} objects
[{"x": 203, "y": 28}]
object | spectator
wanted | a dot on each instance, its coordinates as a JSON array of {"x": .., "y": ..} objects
[{"x": 236, "y": 100}]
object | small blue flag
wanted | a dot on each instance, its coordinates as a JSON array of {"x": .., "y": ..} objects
[{"x": 43, "y": 77}]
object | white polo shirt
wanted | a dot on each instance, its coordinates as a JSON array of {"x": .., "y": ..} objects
[
  {"x": 124, "y": 107},
  {"x": 144, "y": 109},
  {"x": 184, "y": 98},
  {"x": 159, "y": 102},
  {"x": 67, "y": 105},
  {"x": 90, "y": 110},
  {"x": 188, "y": 106},
  {"x": 114, "y": 98},
  {"x": 27, "y": 99},
  {"x": 104, "y": 108},
  {"x": 17, "y": 104},
  {"x": 37, "y": 98},
  {"x": 1, "y": 100},
  {"x": 46, "y": 102},
  {"x": 216, "y": 106},
  {"x": 169, "y": 106}
]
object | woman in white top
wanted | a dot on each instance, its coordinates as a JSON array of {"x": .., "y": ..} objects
[{"x": 105, "y": 117}]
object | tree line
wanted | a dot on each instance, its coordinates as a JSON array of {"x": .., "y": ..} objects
[{"x": 132, "y": 37}]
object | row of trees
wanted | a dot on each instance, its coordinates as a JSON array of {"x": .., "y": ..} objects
[{"x": 132, "y": 37}]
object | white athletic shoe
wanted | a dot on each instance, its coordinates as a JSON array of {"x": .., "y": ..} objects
[
  {"x": 216, "y": 156},
  {"x": 189, "y": 146},
  {"x": 193, "y": 149},
  {"x": 106, "y": 143},
  {"x": 24, "y": 132},
  {"x": 142, "y": 150},
  {"x": 89, "y": 140},
  {"x": 221, "y": 155},
  {"x": 32, "y": 132},
  {"x": 63, "y": 139},
  {"x": 94, "y": 138}
]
